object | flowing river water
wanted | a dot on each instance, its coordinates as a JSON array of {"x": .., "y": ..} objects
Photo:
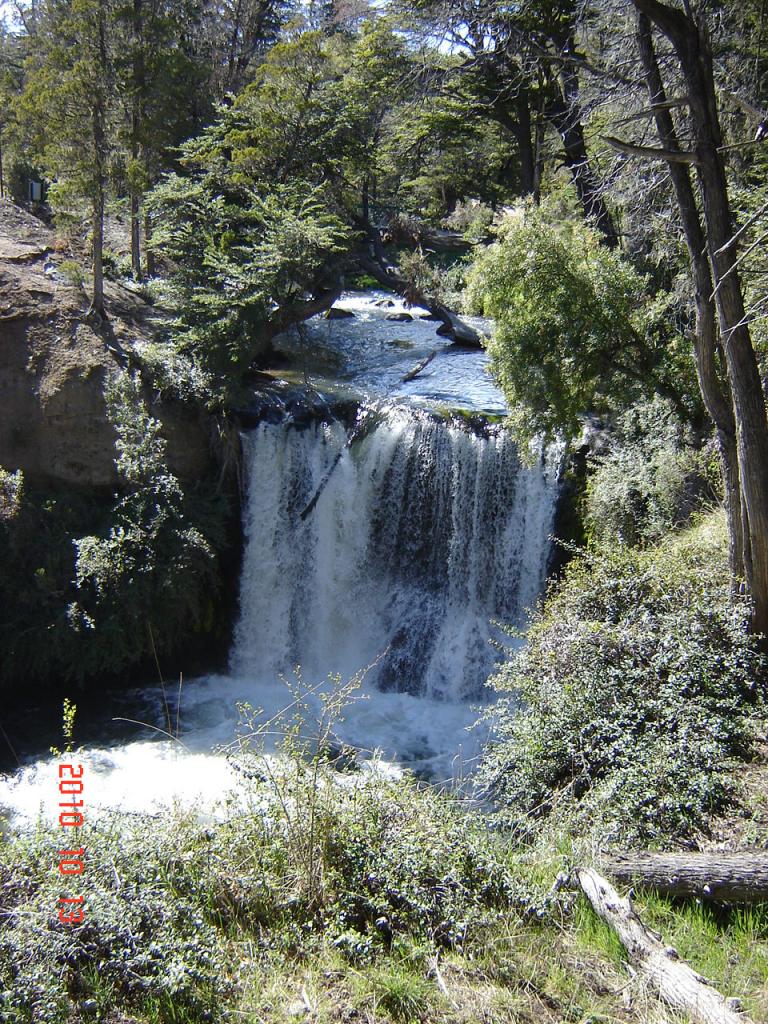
[{"x": 427, "y": 533}]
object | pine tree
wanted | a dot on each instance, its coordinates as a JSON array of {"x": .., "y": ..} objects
[{"x": 69, "y": 96}]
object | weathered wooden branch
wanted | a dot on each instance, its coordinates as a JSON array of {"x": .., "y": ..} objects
[
  {"x": 379, "y": 267},
  {"x": 359, "y": 432},
  {"x": 744, "y": 227},
  {"x": 724, "y": 877},
  {"x": 653, "y": 110},
  {"x": 302, "y": 309},
  {"x": 675, "y": 156},
  {"x": 745, "y": 105},
  {"x": 419, "y": 367},
  {"x": 677, "y": 984}
]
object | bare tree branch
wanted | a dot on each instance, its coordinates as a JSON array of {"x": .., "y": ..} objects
[{"x": 651, "y": 152}]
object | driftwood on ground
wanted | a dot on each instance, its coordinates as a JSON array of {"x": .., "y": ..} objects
[
  {"x": 677, "y": 984},
  {"x": 721, "y": 876}
]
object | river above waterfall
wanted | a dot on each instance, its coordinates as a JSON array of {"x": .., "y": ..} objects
[
  {"x": 369, "y": 355},
  {"x": 391, "y": 553}
]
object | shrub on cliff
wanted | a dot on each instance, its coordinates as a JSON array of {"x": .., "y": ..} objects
[
  {"x": 243, "y": 263},
  {"x": 91, "y": 583},
  {"x": 625, "y": 713},
  {"x": 152, "y": 572},
  {"x": 650, "y": 480}
]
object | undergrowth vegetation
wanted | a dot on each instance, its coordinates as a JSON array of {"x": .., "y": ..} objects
[
  {"x": 173, "y": 905},
  {"x": 410, "y": 908},
  {"x": 637, "y": 693},
  {"x": 651, "y": 479},
  {"x": 91, "y": 584}
]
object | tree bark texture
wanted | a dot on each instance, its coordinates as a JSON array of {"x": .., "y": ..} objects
[
  {"x": 721, "y": 877},
  {"x": 691, "y": 45},
  {"x": 715, "y": 391},
  {"x": 677, "y": 984}
]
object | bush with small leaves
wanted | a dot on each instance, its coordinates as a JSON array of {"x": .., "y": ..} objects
[
  {"x": 142, "y": 942},
  {"x": 170, "y": 901},
  {"x": 635, "y": 696},
  {"x": 575, "y": 329},
  {"x": 153, "y": 565},
  {"x": 651, "y": 480}
]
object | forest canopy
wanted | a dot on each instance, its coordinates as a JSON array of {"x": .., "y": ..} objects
[{"x": 265, "y": 154}]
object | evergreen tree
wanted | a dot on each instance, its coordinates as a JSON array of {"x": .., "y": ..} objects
[{"x": 69, "y": 95}]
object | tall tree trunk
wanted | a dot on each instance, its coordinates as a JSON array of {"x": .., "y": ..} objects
[
  {"x": 523, "y": 134},
  {"x": 97, "y": 237},
  {"x": 135, "y": 230},
  {"x": 715, "y": 392},
  {"x": 518, "y": 124},
  {"x": 538, "y": 159},
  {"x": 690, "y": 42},
  {"x": 149, "y": 256},
  {"x": 564, "y": 112},
  {"x": 100, "y": 157},
  {"x": 137, "y": 109}
]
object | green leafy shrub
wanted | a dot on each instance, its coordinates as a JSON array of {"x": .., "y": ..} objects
[
  {"x": 429, "y": 278},
  {"x": 651, "y": 480},
  {"x": 632, "y": 698},
  {"x": 366, "y": 859},
  {"x": 575, "y": 330},
  {"x": 11, "y": 492},
  {"x": 152, "y": 565},
  {"x": 243, "y": 263},
  {"x": 92, "y": 583},
  {"x": 173, "y": 906},
  {"x": 142, "y": 942},
  {"x": 72, "y": 272},
  {"x": 117, "y": 266},
  {"x": 472, "y": 218},
  {"x": 174, "y": 372}
]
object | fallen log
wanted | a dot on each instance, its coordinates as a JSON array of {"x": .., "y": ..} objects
[
  {"x": 419, "y": 367},
  {"x": 722, "y": 877},
  {"x": 660, "y": 966},
  {"x": 379, "y": 267},
  {"x": 357, "y": 434}
]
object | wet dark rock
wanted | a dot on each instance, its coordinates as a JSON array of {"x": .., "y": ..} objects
[
  {"x": 336, "y": 313},
  {"x": 400, "y": 318}
]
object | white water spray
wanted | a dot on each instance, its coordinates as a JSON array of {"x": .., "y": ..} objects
[{"x": 425, "y": 533}]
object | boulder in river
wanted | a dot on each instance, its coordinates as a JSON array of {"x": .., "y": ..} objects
[
  {"x": 336, "y": 313},
  {"x": 400, "y": 318}
]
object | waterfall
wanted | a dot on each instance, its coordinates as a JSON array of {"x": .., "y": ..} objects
[{"x": 426, "y": 533}]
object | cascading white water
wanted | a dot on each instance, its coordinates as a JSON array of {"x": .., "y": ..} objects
[{"x": 425, "y": 533}]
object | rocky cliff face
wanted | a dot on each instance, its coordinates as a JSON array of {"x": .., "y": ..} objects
[
  {"x": 54, "y": 364},
  {"x": 153, "y": 553}
]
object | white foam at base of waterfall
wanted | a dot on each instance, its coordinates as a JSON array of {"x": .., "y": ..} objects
[{"x": 425, "y": 534}]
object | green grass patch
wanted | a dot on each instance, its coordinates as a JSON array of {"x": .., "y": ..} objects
[{"x": 729, "y": 946}]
